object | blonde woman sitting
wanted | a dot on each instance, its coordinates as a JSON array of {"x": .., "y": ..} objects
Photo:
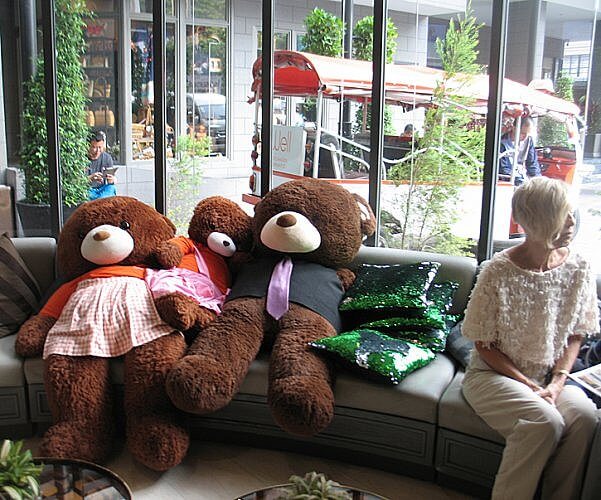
[{"x": 530, "y": 309}]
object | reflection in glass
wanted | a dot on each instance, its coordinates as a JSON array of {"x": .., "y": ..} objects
[
  {"x": 206, "y": 9},
  {"x": 145, "y": 7},
  {"x": 101, "y": 73},
  {"x": 206, "y": 111},
  {"x": 142, "y": 83}
]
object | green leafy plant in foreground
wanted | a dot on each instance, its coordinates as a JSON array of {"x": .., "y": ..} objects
[
  {"x": 314, "y": 486},
  {"x": 18, "y": 473}
]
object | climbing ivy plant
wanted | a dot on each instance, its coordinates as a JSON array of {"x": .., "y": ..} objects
[{"x": 71, "y": 98}]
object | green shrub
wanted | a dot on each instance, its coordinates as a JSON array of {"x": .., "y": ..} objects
[{"x": 184, "y": 177}]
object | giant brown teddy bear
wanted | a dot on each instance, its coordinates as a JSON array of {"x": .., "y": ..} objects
[
  {"x": 106, "y": 311},
  {"x": 306, "y": 232}
]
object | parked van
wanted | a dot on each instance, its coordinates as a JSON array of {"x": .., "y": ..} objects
[{"x": 208, "y": 113}]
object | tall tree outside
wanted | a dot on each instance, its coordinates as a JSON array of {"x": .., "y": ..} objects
[{"x": 452, "y": 150}]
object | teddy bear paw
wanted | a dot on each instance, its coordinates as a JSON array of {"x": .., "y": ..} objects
[
  {"x": 74, "y": 440},
  {"x": 301, "y": 405},
  {"x": 177, "y": 310},
  {"x": 198, "y": 384},
  {"x": 156, "y": 441}
]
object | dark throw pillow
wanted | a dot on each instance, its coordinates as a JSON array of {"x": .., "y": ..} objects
[
  {"x": 385, "y": 291},
  {"x": 458, "y": 346},
  {"x": 375, "y": 355},
  {"x": 19, "y": 291}
]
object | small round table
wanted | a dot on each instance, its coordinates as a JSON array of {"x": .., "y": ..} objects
[
  {"x": 277, "y": 492},
  {"x": 75, "y": 479}
]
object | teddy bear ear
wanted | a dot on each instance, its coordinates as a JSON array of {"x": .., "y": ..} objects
[
  {"x": 368, "y": 220},
  {"x": 169, "y": 224}
]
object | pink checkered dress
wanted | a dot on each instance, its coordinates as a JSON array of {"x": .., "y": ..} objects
[{"x": 106, "y": 317}]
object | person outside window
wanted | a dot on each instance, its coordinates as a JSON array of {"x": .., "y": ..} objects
[
  {"x": 99, "y": 172},
  {"x": 528, "y": 313},
  {"x": 527, "y": 160},
  {"x": 407, "y": 135}
]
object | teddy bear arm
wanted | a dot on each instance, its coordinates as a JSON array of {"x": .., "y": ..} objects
[
  {"x": 168, "y": 255},
  {"x": 32, "y": 335},
  {"x": 346, "y": 277}
]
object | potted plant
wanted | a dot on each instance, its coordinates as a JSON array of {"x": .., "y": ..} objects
[
  {"x": 314, "y": 486},
  {"x": 34, "y": 209},
  {"x": 18, "y": 472}
]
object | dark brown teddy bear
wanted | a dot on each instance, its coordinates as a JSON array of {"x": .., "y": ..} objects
[
  {"x": 305, "y": 233},
  {"x": 106, "y": 310},
  {"x": 192, "y": 295}
]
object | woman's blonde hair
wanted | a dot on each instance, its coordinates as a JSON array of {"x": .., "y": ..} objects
[{"x": 541, "y": 206}]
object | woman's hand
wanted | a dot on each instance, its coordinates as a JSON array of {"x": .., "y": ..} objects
[
  {"x": 552, "y": 391},
  {"x": 534, "y": 386}
]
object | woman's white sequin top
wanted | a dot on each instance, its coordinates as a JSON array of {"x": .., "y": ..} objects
[{"x": 529, "y": 315}]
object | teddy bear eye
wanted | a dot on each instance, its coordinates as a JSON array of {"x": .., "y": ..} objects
[
  {"x": 124, "y": 225},
  {"x": 212, "y": 226},
  {"x": 81, "y": 234}
]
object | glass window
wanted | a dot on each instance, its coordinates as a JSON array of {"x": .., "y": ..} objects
[
  {"x": 145, "y": 7},
  {"x": 281, "y": 41},
  {"x": 142, "y": 91},
  {"x": 562, "y": 147},
  {"x": 206, "y": 9},
  {"x": 101, "y": 73},
  {"x": 434, "y": 143},
  {"x": 206, "y": 89}
]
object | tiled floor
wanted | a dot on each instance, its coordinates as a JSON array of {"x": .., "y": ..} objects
[{"x": 223, "y": 472}]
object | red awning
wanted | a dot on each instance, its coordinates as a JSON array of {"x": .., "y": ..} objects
[{"x": 303, "y": 74}]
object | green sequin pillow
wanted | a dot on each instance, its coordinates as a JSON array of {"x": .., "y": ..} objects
[
  {"x": 432, "y": 328},
  {"x": 389, "y": 290},
  {"x": 376, "y": 355}
]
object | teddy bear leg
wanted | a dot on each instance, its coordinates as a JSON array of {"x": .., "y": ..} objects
[
  {"x": 80, "y": 398},
  {"x": 207, "y": 378},
  {"x": 155, "y": 436},
  {"x": 300, "y": 381}
]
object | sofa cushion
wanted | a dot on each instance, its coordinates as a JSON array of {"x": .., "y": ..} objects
[
  {"x": 454, "y": 413},
  {"x": 11, "y": 365},
  {"x": 416, "y": 397},
  {"x": 19, "y": 291}
]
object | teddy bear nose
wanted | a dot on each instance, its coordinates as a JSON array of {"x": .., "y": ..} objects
[
  {"x": 226, "y": 243},
  {"x": 101, "y": 235},
  {"x": 286, "y": 220}
]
